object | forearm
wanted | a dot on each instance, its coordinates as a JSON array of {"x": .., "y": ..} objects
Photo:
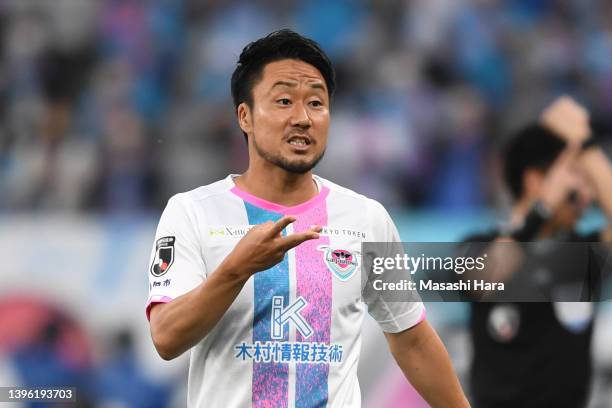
[
  {"x": 598, "y": 169},
  {"x": 180, "y": 324},
  {"x": 423, "y": 358}
]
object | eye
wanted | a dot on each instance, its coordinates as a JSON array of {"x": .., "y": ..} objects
[
  {"x": 283, "y": 101},
  {"x": 316, "y": 104}
]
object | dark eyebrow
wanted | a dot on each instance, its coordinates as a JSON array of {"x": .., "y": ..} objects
[
  {"x": 284, "y": 83},
  {"x": 316, "y": 85}
]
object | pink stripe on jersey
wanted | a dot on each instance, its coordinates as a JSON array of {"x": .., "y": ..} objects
[
  {"x": 314, "y": 284},
  {"x": 281, "y": 209},
  {"x": 155, "y": 299}
]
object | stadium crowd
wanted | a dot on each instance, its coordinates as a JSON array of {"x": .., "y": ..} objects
[{"x": 113, "y": 106}]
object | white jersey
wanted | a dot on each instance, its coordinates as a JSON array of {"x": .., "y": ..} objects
[{"x": 292, "y": 337}]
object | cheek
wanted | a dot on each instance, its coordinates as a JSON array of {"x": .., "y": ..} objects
[
  {"x": 321, "y": 123},
  {"x": 265, "y": 122},
  {"x": 566, "y": 214},
  {"x": 586, "y": 197},
  {"x": 322, "y": 118},
  {"x": 585, "y": 193}
]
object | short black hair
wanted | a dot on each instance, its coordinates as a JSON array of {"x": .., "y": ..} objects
[
  {"x": 278, "y": 45},
  {"x": 532, "y": 147}
]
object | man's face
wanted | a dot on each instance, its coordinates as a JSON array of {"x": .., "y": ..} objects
[
  {"x": 288, "y": 123},
  {"x": 569, "y": 212}
]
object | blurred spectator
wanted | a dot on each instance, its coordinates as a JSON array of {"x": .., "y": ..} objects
[
  {"x": 120, "y": 382},
  {"x": 115, "y": 105},
  {"x": 44, "y": 346}
]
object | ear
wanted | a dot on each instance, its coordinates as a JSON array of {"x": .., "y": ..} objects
[
  {"x": 532, "y": 182},
  {"x": 245, "y": 119}
]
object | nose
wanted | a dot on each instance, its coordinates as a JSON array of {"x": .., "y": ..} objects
[{"x": 300, "y": 117}]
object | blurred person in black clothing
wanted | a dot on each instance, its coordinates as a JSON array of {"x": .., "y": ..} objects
[{"x": 538, "y": 354}]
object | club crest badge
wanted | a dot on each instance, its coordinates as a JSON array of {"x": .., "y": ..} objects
[
  {"x": 341, "y": 263},
  {"x": 164, "y": 256}
]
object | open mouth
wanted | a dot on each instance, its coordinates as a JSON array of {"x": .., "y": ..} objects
[{"x": 299, "y": 141}]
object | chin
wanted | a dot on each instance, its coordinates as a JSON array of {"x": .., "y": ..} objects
[
  {"x": 298, "y": 167},
  {"x": 568, "y": 216},
  {"x": 569, "y": 223}
]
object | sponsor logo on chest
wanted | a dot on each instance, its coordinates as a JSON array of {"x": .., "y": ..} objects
[{"x": 238, "y": 231}]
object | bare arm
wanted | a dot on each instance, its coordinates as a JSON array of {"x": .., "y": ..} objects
[
  {"x": 423, "y": 358},
  {"x": 597, "y": 167},
  {"x": 570, "y": 122},
  {"x": 178, "y": 325}
]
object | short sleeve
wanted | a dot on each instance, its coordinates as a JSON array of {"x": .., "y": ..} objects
[
  {"x": 396, "y": 316},
  {"x": 176, "y": 265}
]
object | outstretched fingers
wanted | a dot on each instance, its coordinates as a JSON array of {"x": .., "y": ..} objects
[
  {"x": 280, "y": 225},
  {"x": 293, "y": 240}
]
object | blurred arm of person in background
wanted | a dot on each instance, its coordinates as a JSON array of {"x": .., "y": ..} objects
[
  {"x": 570, "y": 121},
  {"x": 549, "y": 197}
]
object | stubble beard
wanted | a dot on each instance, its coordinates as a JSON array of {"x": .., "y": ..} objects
[{"x": 295, "y": 167}]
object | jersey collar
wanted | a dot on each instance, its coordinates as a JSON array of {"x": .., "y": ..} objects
[{"x": 278, "y": 208}]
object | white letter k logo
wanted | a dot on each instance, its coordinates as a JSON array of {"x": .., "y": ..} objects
[{"x": 281, "y": 315}]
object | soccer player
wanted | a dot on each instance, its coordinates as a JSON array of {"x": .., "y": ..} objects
[
  {"x": 538, "y": 354},
  {"x": 258, "y": 274}
]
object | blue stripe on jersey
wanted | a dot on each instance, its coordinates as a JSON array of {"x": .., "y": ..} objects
[{"x": 270, "y": 380}]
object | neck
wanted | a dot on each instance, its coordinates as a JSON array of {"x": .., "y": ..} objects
[{"x": 277, "y": 185}]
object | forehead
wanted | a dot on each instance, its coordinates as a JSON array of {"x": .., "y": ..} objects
[{"x": 290, "y": 70}]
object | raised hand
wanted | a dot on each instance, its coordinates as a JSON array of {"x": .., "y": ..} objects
[
  {"x": 568, "y": 120},
  {"x": 264, "y": 246}
]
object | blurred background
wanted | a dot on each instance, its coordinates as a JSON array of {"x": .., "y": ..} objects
[{"x": 108, "y": 108}]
